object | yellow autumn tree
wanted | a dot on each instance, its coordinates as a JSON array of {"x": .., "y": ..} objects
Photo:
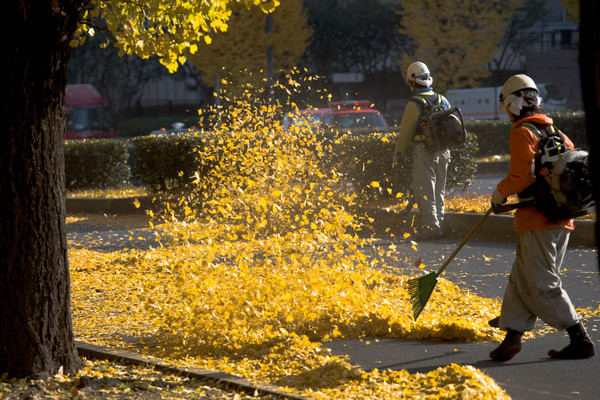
[
  {"x": 455, "y": 39},
  {"x": 240, "y": 53},
  {"x": 157, "y": 27},
  {"x": 572, "y": 7}
]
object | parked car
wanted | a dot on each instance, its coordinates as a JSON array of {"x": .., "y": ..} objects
[
  {"x": 87, "y": 115},
  {"x": 351, "y": 114},
  {"x": 315, "y": 118},
  {"x": 340, "y": 115},
  {"x": 177, "y": 127}
]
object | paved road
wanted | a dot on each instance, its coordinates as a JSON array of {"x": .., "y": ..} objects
[
  {"x": 484, "y": 184},
  {"x": 482, "y": 268}
]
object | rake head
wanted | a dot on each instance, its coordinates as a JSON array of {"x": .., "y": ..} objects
[{"x": 420, "y": 290}]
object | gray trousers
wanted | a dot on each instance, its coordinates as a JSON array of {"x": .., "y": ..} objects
[
  {"x": 534, "y": 287},
  {"x": 429, "y": 185}
]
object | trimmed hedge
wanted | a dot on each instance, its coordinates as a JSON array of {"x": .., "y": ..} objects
[
  {"x": 166, "y": 162},
  {"x": 493, "y": 134},
  {"x": 96, "y": 163},
  {"x": 367, "y": 158}
]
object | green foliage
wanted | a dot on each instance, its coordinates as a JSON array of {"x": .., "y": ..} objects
[
  {"x": 455, "y": 39},
  {"x": 462, "y": 167},
  {"x": 492, "y": 135},
  {"x": 573, "y": 125},
  {"x": 166, "y": 162},
  {"x": 96, "y": 163},
  {"x": 366, "y": 160}
]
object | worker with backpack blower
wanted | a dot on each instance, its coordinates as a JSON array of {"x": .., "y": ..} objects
[
  {"x": 534, "y": 287},
  {"x": 429, "y": 168}
]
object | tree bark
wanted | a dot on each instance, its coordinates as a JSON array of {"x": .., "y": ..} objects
[
  {"x": 589, "y": 64},
  {"x": 36, "y": 333}
]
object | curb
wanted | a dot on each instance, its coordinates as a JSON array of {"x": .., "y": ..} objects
[
  {"x": 495, "y": 228},
  {"x": 216, "y": 378}
]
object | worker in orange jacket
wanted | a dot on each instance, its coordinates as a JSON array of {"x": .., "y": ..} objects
[{"x": 534, "y": 287}]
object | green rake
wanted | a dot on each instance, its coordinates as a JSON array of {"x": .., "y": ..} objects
[{"x": 420, "y": 289}]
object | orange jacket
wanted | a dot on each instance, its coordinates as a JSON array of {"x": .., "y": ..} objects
[{"x": 523, "y": 147}]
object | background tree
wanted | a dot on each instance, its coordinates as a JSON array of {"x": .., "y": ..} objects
[
  {"x": 518, "y": 35},
  {"x": 353, "y": 37},
  {"x": 36, "y": 335},
  {"x": 240, "y": 54},
  {"x": 456, "y": 40},
  {"x": 360, "y": 36}
]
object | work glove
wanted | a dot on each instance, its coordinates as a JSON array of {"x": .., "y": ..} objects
[{"x": 497, "y": 199}]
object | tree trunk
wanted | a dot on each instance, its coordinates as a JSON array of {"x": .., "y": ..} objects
[
  {"x": 589, "y": 64},
  {"x": 36, "y": 333}
]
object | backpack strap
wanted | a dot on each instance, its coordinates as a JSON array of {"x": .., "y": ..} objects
[
  {"x": 426, "y": 106},
  {"x": 544, "y": 136},
  {"x": 549, "y": 132}
]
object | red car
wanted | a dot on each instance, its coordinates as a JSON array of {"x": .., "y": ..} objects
[
  {"x": 356, "y": 114},
  {"x": 344, "y": 115},
  {"x": 315, "y": 118},
  {"x": 87, "y": 115}
]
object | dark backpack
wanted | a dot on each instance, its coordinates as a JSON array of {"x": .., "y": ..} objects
[
  {"x": 441, "y": 128},
  {"x": 563, "y": 186}
]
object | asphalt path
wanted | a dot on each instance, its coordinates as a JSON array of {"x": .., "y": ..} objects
[{"x": 483, "y": 268}]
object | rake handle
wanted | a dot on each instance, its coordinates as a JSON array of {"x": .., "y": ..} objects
[{"x": 465, "y": 240}]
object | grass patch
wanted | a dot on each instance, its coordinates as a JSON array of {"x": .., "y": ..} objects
[{"x": 110, "y": 192}]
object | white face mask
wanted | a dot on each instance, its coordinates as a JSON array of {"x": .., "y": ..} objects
[
  {"x": 424, "y": 80},
  {"x": 514, "y": 104}
]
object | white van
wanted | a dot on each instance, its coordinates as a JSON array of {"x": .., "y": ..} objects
[{"x": 482, "y": 103}]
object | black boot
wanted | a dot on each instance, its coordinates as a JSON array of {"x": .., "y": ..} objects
[
  {"x": 510, "y": 346},
  {"x": 494, "y": 322},
  {"x": 581, "y": 345}
]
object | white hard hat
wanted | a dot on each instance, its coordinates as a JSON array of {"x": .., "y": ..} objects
[
  {"x": 419, "y": 73},
  {"x": 518, "y": 86},
  {"x": 516, "y": 83}
]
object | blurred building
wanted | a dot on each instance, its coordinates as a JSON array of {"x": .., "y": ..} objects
[{"x": 555, "y": 59}]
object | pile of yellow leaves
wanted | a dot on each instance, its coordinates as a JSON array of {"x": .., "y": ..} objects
[
  {"x": 258, "y": 263},
  {"x": 108, "y": 380},
  {"x": 264, "y": 321}
]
